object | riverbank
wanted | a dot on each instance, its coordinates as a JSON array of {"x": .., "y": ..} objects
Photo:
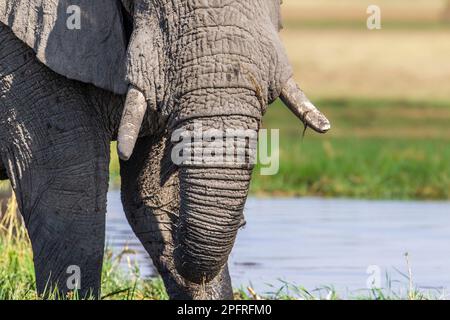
[{"x": 119, "y": 283}]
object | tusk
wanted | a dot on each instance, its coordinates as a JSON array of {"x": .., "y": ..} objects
[
  {"x": 295, "y": 99},
  {"x": 130, "y": 124}
]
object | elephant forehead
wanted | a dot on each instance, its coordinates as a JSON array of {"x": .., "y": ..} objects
[
  {"x": 187, "y": 15},
  {"x": 83, "y": 40}
]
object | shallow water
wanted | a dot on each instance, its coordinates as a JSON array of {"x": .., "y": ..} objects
[{"x": 318, "y": 242}]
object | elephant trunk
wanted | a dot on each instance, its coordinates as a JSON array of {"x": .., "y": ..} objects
[
  {"x": 214, "y": 181},
  {"x": 211, "y": 212}
]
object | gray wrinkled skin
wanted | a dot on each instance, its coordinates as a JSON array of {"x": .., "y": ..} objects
[
  {"x": 94, "y": 54},
  {"x": 222, "y": 44},
  {"x": 216, "y": 61},
  {"x": 54, "y": 146}
]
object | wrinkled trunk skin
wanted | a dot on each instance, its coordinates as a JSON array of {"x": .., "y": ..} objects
[
  {"x": 186, "y": 216},
  {"x": 150, "y": 194},
  {"x": 54, "y": 145},
  {"x": 212, "y": 200},
  {"x": 212, "y": 203}
]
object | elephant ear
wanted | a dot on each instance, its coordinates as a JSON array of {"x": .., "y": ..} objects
[{"x": 84, "y": 40}]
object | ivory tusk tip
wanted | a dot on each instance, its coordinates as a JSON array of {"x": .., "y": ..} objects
[
  {"x": 324, "y": 125},
  {"x": 125, "y": 146},
  {"x": 124, "y": 153},
  {"x": 295, "y": 99},
  {"x": 318, "y": 122},
  {"x": 124, "y": 157},
  {"x": 130, "y": 124}
]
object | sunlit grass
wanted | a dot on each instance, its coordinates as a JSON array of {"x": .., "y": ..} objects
[
  {"x": 17, "y": 280},
  {"x": 360, "y": 24},
  {"x": 4, "y": 187},
  {"x": 350, "y": 63}
]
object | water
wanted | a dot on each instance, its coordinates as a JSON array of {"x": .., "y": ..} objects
[{"x": 317, "y": 242}]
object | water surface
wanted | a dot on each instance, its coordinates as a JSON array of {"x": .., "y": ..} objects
[{"x": 320, "y": 242}]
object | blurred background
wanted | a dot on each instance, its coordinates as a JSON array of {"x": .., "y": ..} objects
[{"x": 386, "y": 92}]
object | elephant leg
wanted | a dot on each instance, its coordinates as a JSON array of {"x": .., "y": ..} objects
[
  {"x": 3, "y": 174},
  {"x": 150, "y": 194},
  {"x": 56, "y": 153}
]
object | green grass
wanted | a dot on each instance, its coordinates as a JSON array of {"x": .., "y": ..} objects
[
  {"x": 114, "y": 167},
  {"x": 17, "y": 280},
  {"x": 376, "y": 149}
]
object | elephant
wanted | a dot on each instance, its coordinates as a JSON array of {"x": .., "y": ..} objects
[{"x": 76, "y": 75}]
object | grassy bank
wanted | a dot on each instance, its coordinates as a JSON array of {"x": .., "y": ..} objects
[
  {"x": 408, "y": 64},
  {"x": 392, "y": 11}
]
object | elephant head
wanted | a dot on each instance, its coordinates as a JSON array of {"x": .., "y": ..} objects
[
  {"x": 169, "y": 37},
  {"x": 218, "y": 62},
  {"x": 221, "y": 63}
]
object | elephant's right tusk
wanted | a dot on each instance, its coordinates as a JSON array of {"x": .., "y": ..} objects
[
  {"x": 130, "y": 124},
  {"x": 295, "y": 99}
]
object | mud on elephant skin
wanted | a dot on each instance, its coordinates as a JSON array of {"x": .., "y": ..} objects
[{"x": 215, "y": 62}]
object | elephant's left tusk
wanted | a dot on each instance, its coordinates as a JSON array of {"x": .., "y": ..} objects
[
  {"x": 295, "y": 99},
  {"x": 130, "y": 124}
]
